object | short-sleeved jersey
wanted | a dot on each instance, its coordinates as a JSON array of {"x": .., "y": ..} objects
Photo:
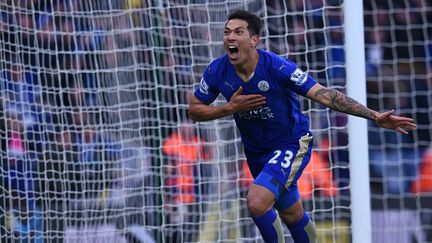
[{"x": 280, "y": 121}]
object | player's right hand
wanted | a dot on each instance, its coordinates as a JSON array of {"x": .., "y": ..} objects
[{"x": 241, "y": 103}]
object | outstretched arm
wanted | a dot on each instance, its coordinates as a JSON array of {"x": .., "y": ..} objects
[
  {"x": 338, "y": 101},
  {"x": 199, "y": 111}
]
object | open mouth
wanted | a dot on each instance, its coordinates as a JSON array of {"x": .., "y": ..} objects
[{"x": 233, "y": 52}]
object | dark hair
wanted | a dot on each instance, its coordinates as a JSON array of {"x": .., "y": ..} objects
[{"x": 254, "y": 22}]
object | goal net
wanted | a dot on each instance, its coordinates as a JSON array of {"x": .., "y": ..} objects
[
  {"x": 398, "y": 68},
  {"x": 97, "y": 146}
]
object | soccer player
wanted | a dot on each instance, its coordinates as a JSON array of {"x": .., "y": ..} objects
[{"x": 260, "y": 88}]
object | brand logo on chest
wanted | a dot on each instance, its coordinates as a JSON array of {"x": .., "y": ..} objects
[{"x": 229, "y": 84}]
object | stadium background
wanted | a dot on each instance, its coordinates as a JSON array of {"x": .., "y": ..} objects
[{"x": 91, "y": 91}]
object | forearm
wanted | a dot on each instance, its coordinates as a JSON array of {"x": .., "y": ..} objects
[
  {"x": 202, "y": 112},
  {"x": 338, "y": 101}
]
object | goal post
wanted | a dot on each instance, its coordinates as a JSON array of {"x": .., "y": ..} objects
[
  {"x": 357, "y": 127},
  {"x": 97, "y": 145}
]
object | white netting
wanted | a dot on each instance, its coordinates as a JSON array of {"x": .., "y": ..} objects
[
  {"x": 94, "y": 92},
  {"x": 398, "y": 58}
]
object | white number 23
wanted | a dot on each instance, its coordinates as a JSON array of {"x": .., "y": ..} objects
[{"x": 286, "y": 158}]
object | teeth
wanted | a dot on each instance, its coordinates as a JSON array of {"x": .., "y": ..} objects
[{"x": 232, "y": 46}]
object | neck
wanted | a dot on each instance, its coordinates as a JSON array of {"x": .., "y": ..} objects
[{"x": 246, "y": 69}]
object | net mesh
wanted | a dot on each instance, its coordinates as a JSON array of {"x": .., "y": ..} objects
[{"x": 97, "y": 146}]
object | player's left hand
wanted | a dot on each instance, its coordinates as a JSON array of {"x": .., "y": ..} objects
[{"x": 398, "y": 123}]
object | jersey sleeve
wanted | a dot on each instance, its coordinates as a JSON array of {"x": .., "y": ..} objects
[
  {"x": 207, "y": 90},
  {"x": 294, "y": 78}
]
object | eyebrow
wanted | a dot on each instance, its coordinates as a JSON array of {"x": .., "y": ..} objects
[{"x": 235, "y": 28}]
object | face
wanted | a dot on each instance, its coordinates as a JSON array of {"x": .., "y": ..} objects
[{"x": 238, "y": 43}]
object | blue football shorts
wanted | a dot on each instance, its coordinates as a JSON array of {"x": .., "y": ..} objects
[{"x": 279, "y": 169}]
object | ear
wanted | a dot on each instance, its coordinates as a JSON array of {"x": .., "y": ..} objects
[{"x": 254, "y": 41}]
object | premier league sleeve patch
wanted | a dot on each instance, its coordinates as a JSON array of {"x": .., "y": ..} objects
[
  {"x": 203, "y": 87},
  {"x": 298, "y": 76}
]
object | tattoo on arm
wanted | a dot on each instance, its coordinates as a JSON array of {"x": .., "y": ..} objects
[{"x": 340, "y": 102}]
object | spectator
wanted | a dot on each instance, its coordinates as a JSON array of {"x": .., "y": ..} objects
[
  {"x": 183, "y": 149},
  {"x": 423, "y": 182},
  {"x": 317, "y": 176},
  {"x": 336, "y": 52},
  {"x": 3, "y": 160},
  {"x": 18, "y": 180},
  {"x": 61, "y": 180},
  {"x": 375, "y": 51},
  {"x": 246, "y": 177},
  {"x": 392, "y": 167},
  {"x": 21, "y": 90},
  {"x": 230, "y": 211},
  {"x": 98, "y": 156},
  {"x": 61, "y": 169}
]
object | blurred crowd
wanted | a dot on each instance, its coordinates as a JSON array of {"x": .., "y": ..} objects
[
  {"x": 60, "y": 150},
  {"x": 94, "y": 97}
]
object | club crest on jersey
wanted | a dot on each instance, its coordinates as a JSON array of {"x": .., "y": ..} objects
[
  {"x": 263, "y": 85},
  {"x": 298, "y": 76},
  {"x": 203, "y": 87}
]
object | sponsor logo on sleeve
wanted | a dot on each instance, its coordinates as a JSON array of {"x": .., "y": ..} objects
[
  {"x": 298, "y": 76},
  {"x": 203, "y": 87}
]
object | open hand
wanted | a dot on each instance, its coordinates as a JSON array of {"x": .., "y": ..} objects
[
  {"x": 241, "y": 103},
  {"x": 398, "y": 123}
]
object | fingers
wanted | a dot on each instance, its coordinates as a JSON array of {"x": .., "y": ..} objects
[
  {"x": 254, "y": 98},
  {"x": 400, "y": 118},
  {"x": 405, "y": 123},
  {"x": 256, "y": 102},
  {"x": 251, "y": 98},
  {"x": 249, "y": 102},
  {"x": 404, "y": 126},
  {"x": 408, "y": 127},
  {"x": 400, "y": 124},
  {"x": 246, "y": 102},
  {"x": 238, "y": 91},
  {"x": 400, "y": 130}
]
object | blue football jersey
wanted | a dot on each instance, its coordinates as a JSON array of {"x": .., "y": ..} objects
[{"x": 280, "y": 121}]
